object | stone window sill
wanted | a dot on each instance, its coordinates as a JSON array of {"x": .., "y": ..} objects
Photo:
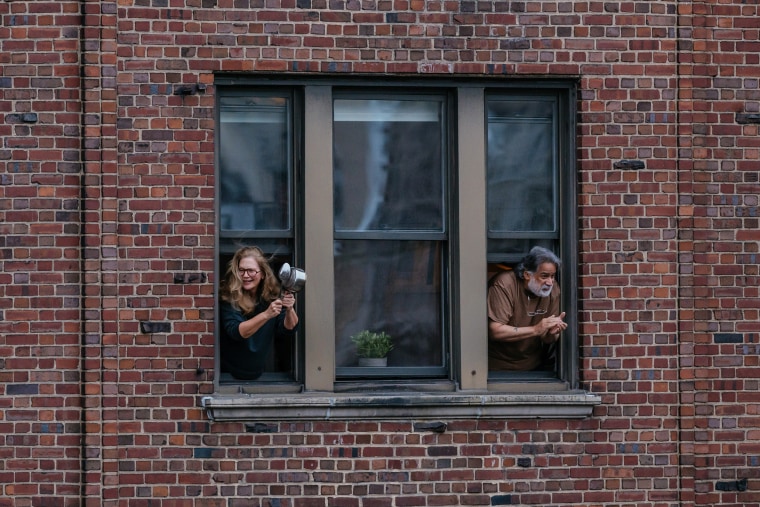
[{"x": 433, "y": 405}]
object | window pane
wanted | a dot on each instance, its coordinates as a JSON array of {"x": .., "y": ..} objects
[
  {"x": 255, "y": 164},
  {"x": 521, "y": 166},
  {"x": 393, "y": 287},
  {"x": 387, "y": 165}
]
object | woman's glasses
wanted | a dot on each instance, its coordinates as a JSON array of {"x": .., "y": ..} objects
[{"x": 249, "y": 272}]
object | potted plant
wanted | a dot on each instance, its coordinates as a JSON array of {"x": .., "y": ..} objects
[{"x": 372, "y": 348}]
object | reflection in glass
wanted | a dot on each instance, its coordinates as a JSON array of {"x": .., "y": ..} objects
[
  {"x": 516, "y": 248},
  {"x": 390, "y": 286},
  {"x": 521, "y": 166},
  {"x": 387, "y": 165},
  {"x": 388, "y": 172},
  {"x": 254, "y": 163}
]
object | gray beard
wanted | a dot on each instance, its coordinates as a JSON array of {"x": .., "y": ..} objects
[{"x": 537, "y": 289}]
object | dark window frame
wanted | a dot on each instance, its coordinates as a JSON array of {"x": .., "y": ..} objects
[{"x": 315, "y": 391}]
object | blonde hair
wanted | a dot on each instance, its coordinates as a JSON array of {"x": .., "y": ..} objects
[{"x": 231, "y": 289}]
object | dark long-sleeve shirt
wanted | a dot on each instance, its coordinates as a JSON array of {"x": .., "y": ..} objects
[{"x": 245, "y": 358}]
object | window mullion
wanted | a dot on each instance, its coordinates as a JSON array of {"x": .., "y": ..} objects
[
  {"x": 473, "y": 332},
  {"x": 319, "y": 321}
]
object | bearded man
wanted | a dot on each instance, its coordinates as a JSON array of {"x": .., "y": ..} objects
[{"x": 524, "y": 319}]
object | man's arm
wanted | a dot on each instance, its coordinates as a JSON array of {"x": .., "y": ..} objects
[
  {"x": 548, "y": 329},
  {"x": 506, "y": 333}
]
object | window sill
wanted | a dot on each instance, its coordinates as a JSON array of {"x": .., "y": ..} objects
[{"x": 349, "y": 406}]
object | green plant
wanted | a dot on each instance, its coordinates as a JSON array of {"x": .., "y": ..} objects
[{"x": 370, "y": 344}]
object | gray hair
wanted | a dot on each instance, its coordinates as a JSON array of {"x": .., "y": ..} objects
[{"x": 537, "y": 256}]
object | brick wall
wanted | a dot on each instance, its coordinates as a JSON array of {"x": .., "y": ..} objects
[
  {"x": 106, "y": 214},
  {"x": 40, "y": 263}
]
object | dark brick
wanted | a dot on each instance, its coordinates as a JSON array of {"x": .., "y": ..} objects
[
  {"x": 728, "y": 338},
  {"x": 24, "y": 389},
  {"x": 155, "y": 327}
]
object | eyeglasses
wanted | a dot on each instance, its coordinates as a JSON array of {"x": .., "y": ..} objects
[
  {"x": 539, "y": 311},
  {"x": 249, "y": 272}
]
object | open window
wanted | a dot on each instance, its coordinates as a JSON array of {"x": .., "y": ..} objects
[
  {"x": 398, "y": 199},
  {"x": 257, "y": 145},
  {"x": 531, "y": 197}
]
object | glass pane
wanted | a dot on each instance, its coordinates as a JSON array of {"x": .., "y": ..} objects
[
  {"x": 392, "y": 287},
  {"x": 388, "y": 165},
  {"x": 521, "y": 166},
  {"x": 254, "y": 163},
  {"x": 510, "y": 251}
]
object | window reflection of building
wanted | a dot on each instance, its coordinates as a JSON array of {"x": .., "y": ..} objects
[
  {"x": 523, "y": 170},
  {"x": 389, "y": 172},
  {"x": 254, "y": 164}
]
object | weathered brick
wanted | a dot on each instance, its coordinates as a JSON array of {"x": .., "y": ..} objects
[{"x": 667, "y": 244}]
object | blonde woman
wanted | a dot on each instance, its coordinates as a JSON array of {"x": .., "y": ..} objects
[{"x": 253, "y": 314}]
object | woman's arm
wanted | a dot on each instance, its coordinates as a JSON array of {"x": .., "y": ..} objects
[
  {"x": 291, "y": 317},
  {"x": 248, "y": 328}
]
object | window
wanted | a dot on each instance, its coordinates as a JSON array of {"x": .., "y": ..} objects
[
  {"x": 396, "y": 198},
  {"x": 530, "y": 194},
  {"x": 255, "y": 200},
  {"x": 390, "y": 215}
]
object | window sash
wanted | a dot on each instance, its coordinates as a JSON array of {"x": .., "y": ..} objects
[
  {"x": 383, "y": 144},
  {"x": 523, "y": 174},
  {"x": 389, "y": 173},
  {"x": 256, "y": 165}
]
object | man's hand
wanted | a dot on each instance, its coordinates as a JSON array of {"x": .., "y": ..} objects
[
  {"x": 550, "y": 327},
  {"x": 548, "y": 330}
]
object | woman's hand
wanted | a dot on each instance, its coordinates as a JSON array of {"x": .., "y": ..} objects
[
  {"x": 289, "y": 301},
  {"x": 249, "y": 327},
  {"x": 274, "y": 309}
]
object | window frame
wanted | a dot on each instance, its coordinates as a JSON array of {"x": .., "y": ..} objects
[
  {"x": 468, "y": 392},
  {"x": 274, "y": 381},
  {"x": 349, "y": 375},
  {"x": 566, "y": 183}
]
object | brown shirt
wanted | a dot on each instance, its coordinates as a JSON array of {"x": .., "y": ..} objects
[{"x": 509, "y": 302}]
